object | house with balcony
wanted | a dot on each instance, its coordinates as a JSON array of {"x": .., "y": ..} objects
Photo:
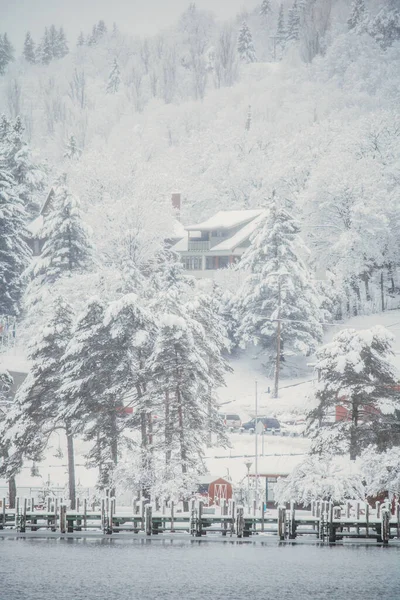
[{"x": 217, "y": 242}]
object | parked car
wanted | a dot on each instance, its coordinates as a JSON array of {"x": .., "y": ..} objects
[
  {"x": 232, "y": 420},
  {"x": 271, "y": 425}
]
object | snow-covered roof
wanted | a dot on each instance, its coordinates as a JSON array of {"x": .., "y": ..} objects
[
  {"x": 277, "y": 465},
  {"x": 182, "y": 245},
  {"x": 35, "y": 226},
  {"x": 178, "y": 230},
  {"x": 207, "y": 479},
  {"x": 240, "y": 236},
  {"x": 225, "y": 219}
]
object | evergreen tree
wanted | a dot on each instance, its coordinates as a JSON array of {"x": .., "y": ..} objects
[
  {"x": 29, "y": 49},
  {"x": 266, "y": 8},
  {"x": 34, "y": 415},
  {"x": 29, "y": 177},
  {"x": 94, "y": 37},
  {"x": 53, "y": 42},
  {"x": 68, "y": 247},
  {"x": 293, "y": 27},
  {"x": 114, "y": 79},
  {"x": 101, "y": 29},
  {"x": 72, "y": 150},
  {"x": 278, "y": 295},
  {"x": 94, "y": 366},
  {"x": 81, "y": 39},
  {"x": 281, "y": 29},
  {"x": 245, "y": 45},
  {"x": 6, "y": 53},
  {"x": 62, "y": 46},
  {"x": 46, "y": 50},
  {"x": 385, "y": 28},
  {"x": 358, "y": 15},
  {"x": 355, "y": 373},
  {"x": 14, "y": 252}
]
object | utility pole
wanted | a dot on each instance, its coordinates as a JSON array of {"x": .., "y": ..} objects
[
  {"x": 256, "y": 439},
  {"x": 278, "y": 341}
]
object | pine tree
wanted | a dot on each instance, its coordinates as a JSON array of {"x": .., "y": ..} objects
[
  {"x": 6, "y": 53},
  {"x": 34, "y": 415},
  {"x": 81, "y": 39},
  {"x": 29, "y": 177},
  {"x": 278, "y": 295},
  {"x": 281, "y": 29},
  {"x": 14, "y": 252},
  {"x": 62, "y": 46},
  {"x": 385, "y": 28},
  {"x": 53, "y": 42},
  {"x": 355, "y": 372},
  {"x": 245, "y": 45},
  {"x": 72, "y": 150},
  {"x": 266, "y": 8},
  {"x": 68, "y": 246},
  {"x": 114, "y": 79},
  {"x": 46, "y": 49},
  {"x": 29, "y": 49},
  {"x": 293, "y": 27},
  {"x": 101, "y": 29},
  {"x": 358, "y": 14},
  {"x": 93, "y": 370},
  {"x": 94, "y": 37}
]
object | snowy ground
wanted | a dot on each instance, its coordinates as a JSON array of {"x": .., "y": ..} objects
[{"x": 281, "y": 454}]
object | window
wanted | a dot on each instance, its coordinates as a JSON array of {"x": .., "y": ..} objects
[
  {"x": 210, "y": 263},
  {"x": 192, "y": 263},
  {"x": 223, "y": 261}
]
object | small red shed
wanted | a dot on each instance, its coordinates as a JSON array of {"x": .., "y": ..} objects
[{"x": 214, "y": 489}]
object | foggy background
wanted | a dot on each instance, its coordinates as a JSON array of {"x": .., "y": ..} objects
[{"x": 132, "y": 16}]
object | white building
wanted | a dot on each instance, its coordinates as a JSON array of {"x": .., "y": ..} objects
[{"x": 217, "y": 242}]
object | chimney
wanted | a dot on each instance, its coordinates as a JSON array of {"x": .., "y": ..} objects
[{"x": 176, "y": 205}]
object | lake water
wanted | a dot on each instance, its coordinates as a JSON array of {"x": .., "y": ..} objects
[{"x": 180, "y": 569}]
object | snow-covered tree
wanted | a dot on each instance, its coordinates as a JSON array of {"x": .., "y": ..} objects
[
  {"x": 29, "y": 52},
  {"x": 45, "y": 50},
  {"x": 385, "y": 28},
  {"x": 35, "y": 412},
  {"x": 278, "y": 293},
  {"x": 381, "y": 471},
  {"x": 6, "y": 53},
  {"x": 293, "y": 24},
  {"x": 62, "y": 45},
  {"x": 81, "y": 39},
  {"x": 68, "y": 248},
  {"x": 319, "y": 478},
  {"x": 245, "y": 45},
  {"x": 358, "y": 15},
  {"x": 114, "y": 78},
  {"x": 72, "y": 150},
  {"x": 355, "y": 374},
  {"x": 266, "y": 8},
  {"x": 95, "y": 365},
  {"x": 29, "y": 176},
  {"x": 14, "y": 252},
  {"x": 281, "y": 28}
]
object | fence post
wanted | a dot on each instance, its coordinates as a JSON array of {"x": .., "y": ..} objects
[
  {"x": 398, "y": 519},
  {"x": 3, "y": 514},
  {"x": 16, "y": 515},
  {"x": 172, "y": 516},
  {"x": 385, "y": 520},
  {"x": 332, "y": 528},
  {"x": 148, "y": 519},
  {"x": 240, "y": 522},
  {"x": 292, "y": 522},
  {"x": 85, "y": 514},
  {"x": 63, "y": 518},
  {"x": 281, "y": 522}
]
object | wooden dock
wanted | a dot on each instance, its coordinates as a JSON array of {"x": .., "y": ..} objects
[{"x": 324, "y": 522}]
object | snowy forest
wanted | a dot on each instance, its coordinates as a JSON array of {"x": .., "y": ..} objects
[{"x": 290, "y": 107}]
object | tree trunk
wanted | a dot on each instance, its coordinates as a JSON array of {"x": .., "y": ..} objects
[
  {"x": 12, "y": 492},
  {"x": 71, "y": 466},
  {"x": 114, "y": 445},
  {"x": 354, "y": 450},
  {"x": 167, "y": 431},
  {"x": 182, "y": 443},
  {"x": 382, "y": 293}
]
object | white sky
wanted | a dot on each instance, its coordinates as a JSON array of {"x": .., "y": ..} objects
[{"x": 131, "y": 16}]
